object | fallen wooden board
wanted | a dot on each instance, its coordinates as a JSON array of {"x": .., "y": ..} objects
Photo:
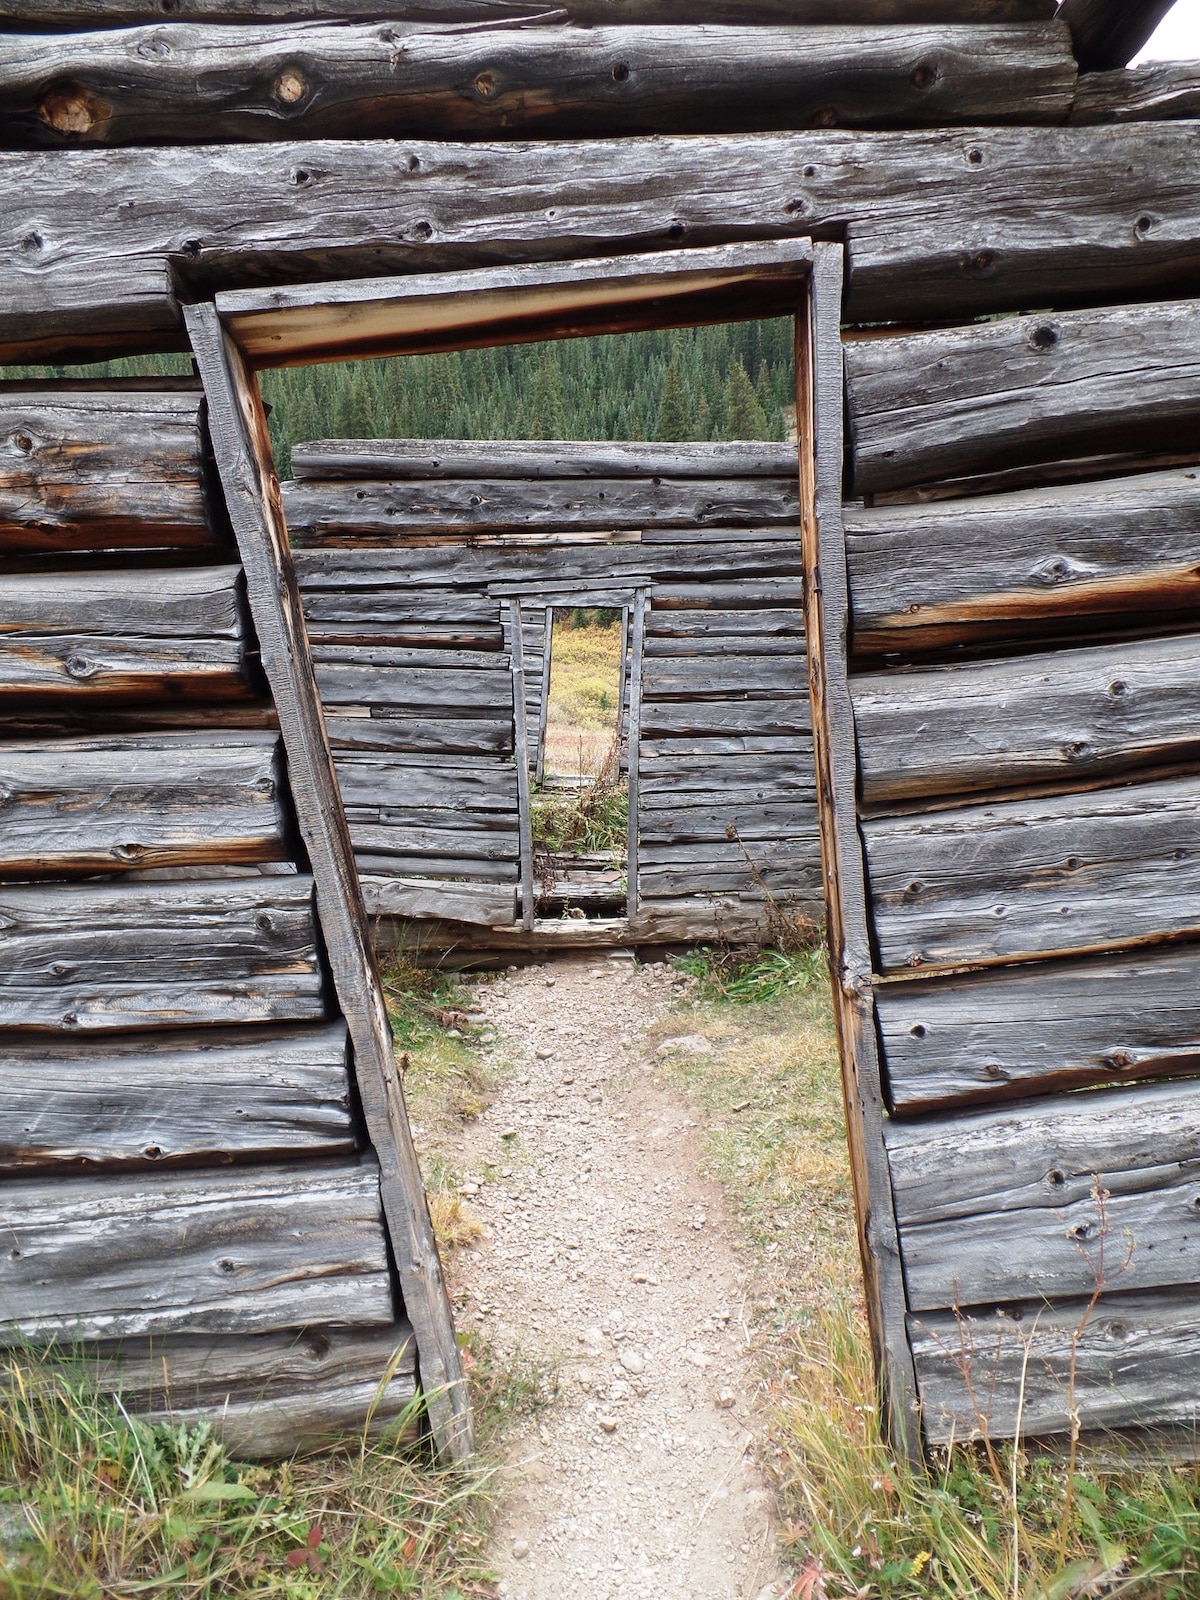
[
  {"x": 205, "y": 83},
  {"x": 101, "y": 466},
  {"x": 490, "y": 905},
  {"x": 153, "y": 800},
  {"x": 1042, "y": 1027},
  {"x": 255, "y": 1249},
  {"x": 538, "y": 458},
  {"x": 349, "y": 208},
  {"x": 945, "y": 403},
  {"x": 989, "y": 882},
  {"x": 1004, "y": 565},
  {"x": 1057, "y": 715},
  {"x": 159, "y": 955},
  {"x": 264, "y": 1395},
  {"x": 402, "y": 507},
  {"x": 198, "y": 1099}
]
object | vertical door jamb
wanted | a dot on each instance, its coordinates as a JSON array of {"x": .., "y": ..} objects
[
  {"x": 637, "y": 638},
  {"x": 521, "y": 756}
]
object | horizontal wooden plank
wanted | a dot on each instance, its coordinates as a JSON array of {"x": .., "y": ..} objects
[
  {"x": 452, "y": 868},
  {"x": 678, "y": 779},
  {"x": 76, "y": 669},
  {"x": 794, "y": 884},
  {"x": 755, "y": 823},
  {"x": 481, "y": 693},
  {"x": 539, "y": 458},
  {"x": 101, "y": 467},
  {"x": 677, "y": 597},
  {"x": 1005, "y": 565},
  {"x": 398, "y": 605},
  {"x": 137, "y": 602},
  {"x": 724, "y": 674},
  {"x": 713, "y": 747},
  {"x": 1151, "y": 92},
  {"x": 457, "y": 820},
  {"x": 418, "y": 735},
  {"x": 719, "y": 645},
  {"x": 1064, "y": 714},
  {"x": 265, "y": 1396},
  {"x": 1025, "y": 877},
  {"x": 1042, "y": 1027},
  {"x": 1026, "y": 1219},
  {"x": 255, "y": 1249},
  {"x": 707, "y": 626},
  {"x": 159, "y": 954},
  {"x": 74, "y": 14},
  {"x": 254, "y": 82},
  {"x": 400, "y": 507},
  {"x": 778, "y": 715},
  {"x": 408, "y": 840},
  {"x": 174, "y": 1098},
  {"x": 483, "y": 785},
  {"x": 407, "y": 636},
  {"x": 490, "y": 905},
  {"x": 782, "y": 852},
  {"x": 153, "y": 800},
  {"x": 350, "y": 208},
  {"x": 945, "y": 403}
]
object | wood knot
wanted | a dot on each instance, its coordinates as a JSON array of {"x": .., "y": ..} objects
[
  {"x": 80, "y": 667},
  {"x": 924, "y": 76},
  {"x": 22, "y": 443},
  {"x": 74, "y": 111},
  {"x": 485, "y": 86},
  {"x": 1043, "y": 337},
  {"x": 290, "y": 86}
]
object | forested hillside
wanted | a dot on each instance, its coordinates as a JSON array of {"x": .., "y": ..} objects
[{"x": 729, "y": 382}]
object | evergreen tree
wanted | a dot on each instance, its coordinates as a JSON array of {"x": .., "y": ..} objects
[
  {"x": 675, "y": 417},
  {"x": 744, "y": 415}
]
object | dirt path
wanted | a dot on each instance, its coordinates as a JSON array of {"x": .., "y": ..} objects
[{"x": 606, "y": 1250}]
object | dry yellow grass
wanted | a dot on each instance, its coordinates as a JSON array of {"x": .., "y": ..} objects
[{"x": 585, "y": 687}]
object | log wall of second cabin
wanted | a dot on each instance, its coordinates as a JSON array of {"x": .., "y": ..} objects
[
  {"x": 1023, "y": 651},
  {"x": 402, "y": 573}
]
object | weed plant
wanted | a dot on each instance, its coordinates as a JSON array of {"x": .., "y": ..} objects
[{"x": 997, "y": 1522}]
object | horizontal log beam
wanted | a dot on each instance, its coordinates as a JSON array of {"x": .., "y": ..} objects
[
  {"x": 1010, "y": 565},
  {"x": 538, "y": 458},
  {"x": 74, "y": 14},
  {"x": 100, "y": 466},
  {"x": 1064, "y": 715},
  {"x": 88, "y": 237},
  {"x": 166, "y": 800},
  {"x": 395, "y": 510},
  {"x": 265, "y": 1396},
  {"x": 1154, "y": 92},
  {"x": 252, "y": 1250},
  {"x": 159, "y": 955},
  {"x": 971, "y": 399},
  {"x": 490, "y": 905},
  {"x": 1020, "y": 878},
  {"x": 150, "y": 1099},
  {"x": 420, "y": 735},
  {"x": 1041, "y": 1028},
  {"x": 180, "y": 83}
]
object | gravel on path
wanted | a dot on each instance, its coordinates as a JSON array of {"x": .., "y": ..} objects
[{"x": 606, "y": 1250}]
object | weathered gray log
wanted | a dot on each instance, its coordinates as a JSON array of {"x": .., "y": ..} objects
[
  {"x": 793, "y": 882},
  {"x": 1109, "y": 33},
  {"x": 445, "y": 783},
  {"x": 1004, "y": 565},
  {"x": 449, "y": 735},
  {"x": 960, "y": 400},
  {"x": 538, "y": 458},
  {"x": 679, "y": 778},
  {"x": 197, "y": 1098},
  {"x": 398, "y": 839},
  {"x": 1041, "y": 1028},
  {"x": 1035, "y": 877},
  {"x": 725, "y": 674},
  {"x": 403, "y": 636},
  {"x": 1149, "y": 93},
  {"x": 710, "y": 627},
  {"x": 394, "y": 606},
  {"x": 154, "y": 800},
  {"x": 715, "y": 645},
  {"x": 73, "y": 14},
  {"x": 265, "y": 1396},
  {"x": 1063, "y": 714},
  {"x": 100, "y": 466},
  {"x": 318, "y": 509},
  {"x": 714, "y": 747},
  {"x": 367, "y": 677},
  {"x": 755, "y": 824},
  {"x": 451, "y": 868},
  {"x": 778, "y": 715},
  {"x": 179, "y": 83},
  {"x": 491, "y": 905},
  {"x": 159, "y": 955},
  {"x": 88, "y": 237},
  {"x": 110, "y": 636},
  {"x": 242, "y": 451},
  {"x": 250, "y": 1250},
  {"x": 1044, "y": 1154},
  {"x": 670, "y": 594},
  {"x": 1133, "y": 1363},
  {"x": 1138, "y": 1232}
]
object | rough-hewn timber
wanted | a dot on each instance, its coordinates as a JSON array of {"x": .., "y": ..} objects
[
  {"x": 1109, "y": 33},
  {"x": 1156, "y": 90},
  {"x": 538, "y": 458}
]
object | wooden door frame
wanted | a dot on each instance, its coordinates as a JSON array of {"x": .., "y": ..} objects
[{"x": 244, "y": 331}]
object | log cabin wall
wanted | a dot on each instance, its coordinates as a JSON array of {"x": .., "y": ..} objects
[
  {"x": 972, "y": 158},
  {"x": 404, "y": 551},
  {"x": 190, "y": 1192}
]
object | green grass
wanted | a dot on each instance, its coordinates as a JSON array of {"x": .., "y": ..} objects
[{"x": 998, "y": 1524}]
